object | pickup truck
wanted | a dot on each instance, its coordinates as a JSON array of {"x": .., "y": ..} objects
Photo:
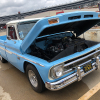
[{"x": 50, "y": 51}]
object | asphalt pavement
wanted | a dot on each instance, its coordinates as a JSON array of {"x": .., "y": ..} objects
[{"x": 14, "y": 85}]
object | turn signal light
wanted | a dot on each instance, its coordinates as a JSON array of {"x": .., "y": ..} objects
[
  {"x": 98, "y": 15},
  {"x": 53, "y": 21}
]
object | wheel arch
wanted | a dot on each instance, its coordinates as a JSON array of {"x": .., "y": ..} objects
[
  {"x": 25, "y": 65},
  {"x": 37, "y": 68}
]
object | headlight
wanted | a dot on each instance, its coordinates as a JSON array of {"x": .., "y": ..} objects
[{"x": 56, "y": 71}]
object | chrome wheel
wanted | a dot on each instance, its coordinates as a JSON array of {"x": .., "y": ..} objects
[{"x": 32, "y": 78}]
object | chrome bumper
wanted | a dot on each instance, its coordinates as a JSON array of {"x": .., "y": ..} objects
[{"x": 71, "y": 78}]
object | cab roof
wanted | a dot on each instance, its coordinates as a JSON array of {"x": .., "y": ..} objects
[{"x": 22, "y": 20}]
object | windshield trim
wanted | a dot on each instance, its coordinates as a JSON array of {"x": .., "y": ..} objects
[{"x": 35, "y": 21}]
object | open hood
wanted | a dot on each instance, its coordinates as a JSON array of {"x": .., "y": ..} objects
[{"x": 79, "y": 22}]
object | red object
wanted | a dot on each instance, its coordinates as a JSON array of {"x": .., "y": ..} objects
[
  {"x": 4, "y": 27},
  {"x": 59, "y": 12},
  {"x": 19, "y": 12},
  {"x": 97, "y": 11},
  {"x": 12, "y": 33}
]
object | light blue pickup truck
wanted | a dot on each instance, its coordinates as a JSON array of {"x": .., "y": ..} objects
[{"x": 50, "y": 51}]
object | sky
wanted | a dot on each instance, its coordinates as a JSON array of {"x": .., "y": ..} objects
[{"x": 10, "y": 7}]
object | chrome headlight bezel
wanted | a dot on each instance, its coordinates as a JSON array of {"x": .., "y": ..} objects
[{"x": 56, "y": 71}]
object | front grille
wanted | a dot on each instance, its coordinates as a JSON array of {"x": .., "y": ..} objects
[
  {"x": 80, "y": 61},
  {"x": 79, "y": 57}
]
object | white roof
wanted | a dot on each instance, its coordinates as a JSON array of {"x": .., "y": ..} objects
[{"x": 22, "y": 20}]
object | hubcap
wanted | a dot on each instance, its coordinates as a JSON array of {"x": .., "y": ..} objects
[{"x": 32, "y": 78}]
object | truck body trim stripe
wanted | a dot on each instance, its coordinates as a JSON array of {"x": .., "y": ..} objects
[{"x": 21, "y": 56}]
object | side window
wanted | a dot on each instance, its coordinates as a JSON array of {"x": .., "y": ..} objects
[{"x": 12, "y": 32}]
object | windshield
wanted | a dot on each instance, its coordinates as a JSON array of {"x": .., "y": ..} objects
[{"x": 24, "y": 28}]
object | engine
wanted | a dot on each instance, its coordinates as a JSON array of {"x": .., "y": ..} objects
[
  {"x": 60, "y": 44},
  {"x": 57, "y": 47}
]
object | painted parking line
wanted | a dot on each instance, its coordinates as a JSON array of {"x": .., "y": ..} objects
[
  {"x": 4, "y": 95},
  {"x": 90, "y": 93}
]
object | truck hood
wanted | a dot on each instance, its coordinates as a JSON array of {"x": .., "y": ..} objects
[{"x": 79, "y": 22}]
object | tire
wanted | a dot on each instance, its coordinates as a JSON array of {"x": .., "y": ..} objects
[
  {"x": 2, "y": 59},
  {"x": 34, "y": 79}
]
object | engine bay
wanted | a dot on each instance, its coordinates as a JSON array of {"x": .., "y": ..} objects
[{"x": 56, "y": 46}]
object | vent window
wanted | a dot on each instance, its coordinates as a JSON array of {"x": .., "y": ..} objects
[{"x": 74, "y": 17}]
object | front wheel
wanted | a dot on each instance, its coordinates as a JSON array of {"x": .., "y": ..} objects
[{"x": 34, "y": 78}]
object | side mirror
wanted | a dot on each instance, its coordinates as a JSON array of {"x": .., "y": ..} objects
[{"x": 9, "y": 37}]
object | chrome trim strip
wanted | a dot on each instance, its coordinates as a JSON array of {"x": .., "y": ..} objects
[
  {"x": 97, "y": 62},
  {"x": 31, "y": 61},
  {"x": 1, "y": 43},
  {"x": 21, "y": 57},
  {"x": 81, "y": 58},
  {"x": 65, "y": 82},
  {"x": 84, "y": 63},
  {"x": 93, "y": 64},
  {"x": 79, "y": 73},
  {"x": 67, "y": 71},
  {"x": 2, "y": 48},
  {"x": 8, "y": 51}
]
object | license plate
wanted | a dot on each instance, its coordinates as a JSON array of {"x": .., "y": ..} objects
[{"x": 87, "y": 67}]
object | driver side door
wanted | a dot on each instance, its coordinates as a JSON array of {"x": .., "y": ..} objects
[{"x": 12, "y": 45}]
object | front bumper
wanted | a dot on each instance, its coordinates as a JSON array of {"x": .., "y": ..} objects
[{"x": 77, "y": 76}]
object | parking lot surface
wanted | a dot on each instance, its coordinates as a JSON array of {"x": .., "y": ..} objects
[{"x": 15, "y": 86}]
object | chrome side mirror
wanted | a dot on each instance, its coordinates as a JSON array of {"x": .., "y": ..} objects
[{"x": 9, "y": 37}]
